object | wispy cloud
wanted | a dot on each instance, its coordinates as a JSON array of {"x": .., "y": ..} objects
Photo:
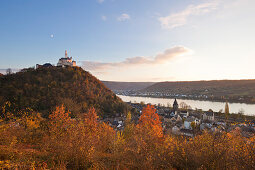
[
  {"x": 180, "y": 18},
  {"x": 103, "y": 17},
  {"x": 123, "y": 17},
  {"x": 100, "y": 1},
  {"x": 161, "y": 58}
]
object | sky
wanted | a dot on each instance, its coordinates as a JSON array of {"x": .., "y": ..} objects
[{"x": 132, "y": 40}]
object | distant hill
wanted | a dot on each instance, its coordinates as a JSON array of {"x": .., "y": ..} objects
[
  {"x": 44, "y": 88},
  {"x": 113, "y": 85},
  {"x": 216, "y": 89}
]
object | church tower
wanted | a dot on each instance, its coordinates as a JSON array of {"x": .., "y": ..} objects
[{"x": 175, "y": 105}]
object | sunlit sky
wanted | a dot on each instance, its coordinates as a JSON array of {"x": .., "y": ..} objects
[{"x": 133, "y": 40}]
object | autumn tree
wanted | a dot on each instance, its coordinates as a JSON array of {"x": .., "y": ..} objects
[
  {"x": 77, "y": 143},
  {"x": 150, "y": 122},
  {"x": 146, "y": 143},
  {"x": 226, "y": 111}
]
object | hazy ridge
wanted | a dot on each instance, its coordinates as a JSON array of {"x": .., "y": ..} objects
[{"x": 114, "y": 85}]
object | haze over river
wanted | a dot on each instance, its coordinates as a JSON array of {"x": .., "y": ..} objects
[{"x": 249, "y": 109}]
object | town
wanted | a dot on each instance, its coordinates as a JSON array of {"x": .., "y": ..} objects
[{"x": 180, "y": 119}]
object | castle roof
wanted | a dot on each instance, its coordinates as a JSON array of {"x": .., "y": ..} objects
[{"x": 47, "y": 65}]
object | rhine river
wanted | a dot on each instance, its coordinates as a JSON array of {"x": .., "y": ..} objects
[{"x": 249, "y": 109}]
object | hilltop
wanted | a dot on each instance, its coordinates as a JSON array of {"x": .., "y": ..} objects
[
  {"x": 43, "y": 89},
  {"x": 114, "y": 85},
  {"x": 232, "y": 90}
]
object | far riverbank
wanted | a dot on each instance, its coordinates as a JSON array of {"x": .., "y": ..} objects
[{"x": 249, "y": 109}]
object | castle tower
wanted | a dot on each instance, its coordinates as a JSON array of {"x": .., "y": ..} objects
[{"x": 65, "y": 54}]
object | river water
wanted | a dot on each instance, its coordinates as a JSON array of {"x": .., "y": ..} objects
[{"x": 249, "y": 109}]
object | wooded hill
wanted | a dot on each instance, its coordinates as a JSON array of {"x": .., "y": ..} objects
[
  {"x": 228, "y": 89},
  {"x": 44, "y": 88}
]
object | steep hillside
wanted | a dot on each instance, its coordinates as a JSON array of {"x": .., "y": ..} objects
[
  {"x": 113, "y": 85},
  {"x": 227, "y": 89},
  {"x": 43, "y": 89}
]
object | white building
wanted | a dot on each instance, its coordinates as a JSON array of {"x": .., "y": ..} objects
[
  {"x": 189, "y": 120},
  {"x": 66, "y": 61},
  {"x": 184, "y": 114},
  {"x": 208, "y": 116}
]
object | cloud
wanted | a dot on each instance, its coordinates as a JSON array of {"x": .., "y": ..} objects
[
  {"x": 100, "y": 1},
  {"x": 180, "y": 18},
  {"x": 123, "y": 17},
  {"x": 103, "y": 17},
  {"x": 161, "y": 58}
]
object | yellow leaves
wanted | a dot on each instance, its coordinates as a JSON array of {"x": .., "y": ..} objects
[
  {"x": 31, "y": 121},
  {"x": 6, "y": 104},
  {"x": 129, "y": 117},
  {"x": 7, "y": 164},
  {"x": 120, "y": 141},
  {"x": 32, "y": 124}
]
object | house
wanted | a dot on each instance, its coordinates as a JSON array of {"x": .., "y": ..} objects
[
  {"x": 179, "y": 119},
  {"x": 221, "y": 123},
  {"x": 186, "y": 132},
  {"x": 208, "y": 116},
  {"x": 66, "y": 61},
  {"x": 184, "y": 114},
  {"x": 187, "y": 123},
  {"x": 176, "y": 130},
  {"x": 204, "y": 126},
  {"x": 189, "y": 120},
  {"x": 172, "y": 114}
]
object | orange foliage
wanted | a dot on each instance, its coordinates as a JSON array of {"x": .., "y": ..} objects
[
  {"x": 60, "y": 116},
  {"x": 149, "y": 121},
  {"x": 87, "y": 143}
]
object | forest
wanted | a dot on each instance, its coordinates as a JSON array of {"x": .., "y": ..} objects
[{"x": 29, "y": 141}]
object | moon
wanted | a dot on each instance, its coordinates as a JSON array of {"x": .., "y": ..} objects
[{"x": 51, "y": 36}]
